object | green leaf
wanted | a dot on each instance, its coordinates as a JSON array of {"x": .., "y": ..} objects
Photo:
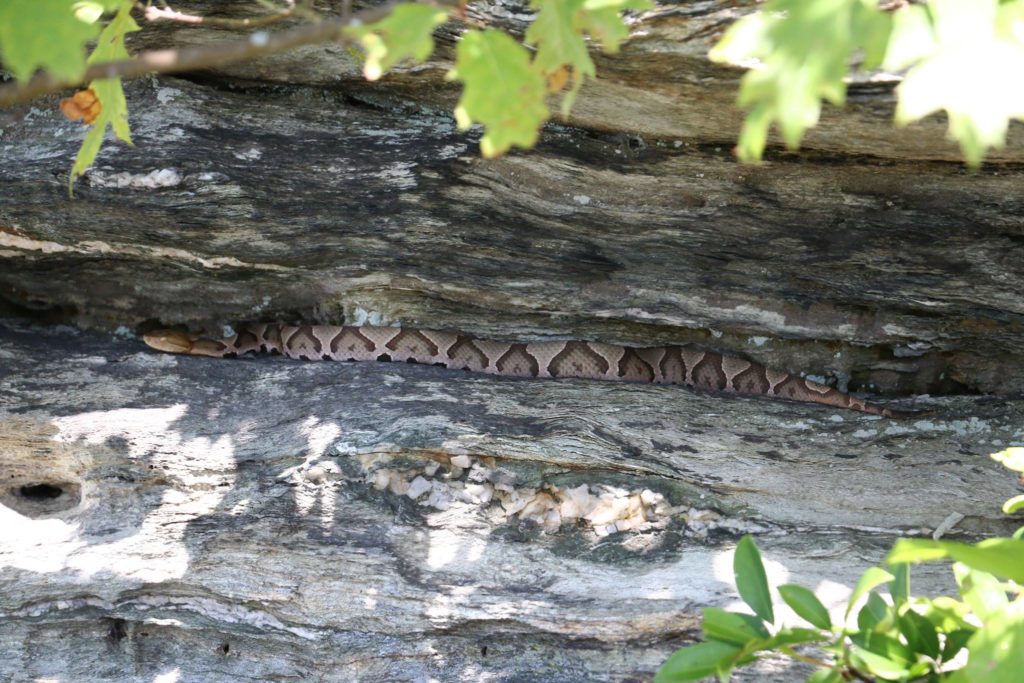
[
  {"x": 406, "y": 33},
  {"x": 825, "y": 676},
  {"x": 732, "y": 627},
  {"x": 114, "y": 109},
  {"x": 873, "y": 612},
  {"x": 1003, "y": 557},
  {"x": 1013, "y": 505},
  {"x": 899, "y": 587},
  {"x": 885, "y": 646},
  {"x": 556, "y": 33},
  {"x": 997, "y": 650},
  {"x": 751, "y": 579},
  {"x": 920, "y": 633},
  {"x": 1011, "y": 457},
  {"x": 869, "y": 580},
  {"x": 916, "y": 550},
  {"x": 970, "y": 72},
  {"x": 558, "y": 29},
  {"x": 43, "y": 34},
  {"x": 802, "y": 49},
  {"x": 697, "y": 661},
  {"x": 792, "y": 636},
  {"x": 982, "y": 591},
  {"x": 502, "y": 91},
  {"x": 956, "y": 641},
  {"x": 876, "y": 664},
  {"x": 947, "y": 614},
  {"x": 806, "y": 605},
  {"x": 88, "y": 11},
  {"x": 602, "y": 19}
]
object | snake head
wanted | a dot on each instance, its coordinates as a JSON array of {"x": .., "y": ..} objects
[{"x": 170, "y": 341}]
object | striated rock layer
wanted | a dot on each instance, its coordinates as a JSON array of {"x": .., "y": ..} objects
[
  {"x": 209, "y": 520},
  {"x": 216, "y": 519}
]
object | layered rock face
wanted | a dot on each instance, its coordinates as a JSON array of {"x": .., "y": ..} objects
[{"x": 211, "y": 519}]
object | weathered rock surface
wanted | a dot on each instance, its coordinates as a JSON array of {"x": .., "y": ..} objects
[
  {"x": 284, "y": 520},
  {"x": 218, "y": 519}
]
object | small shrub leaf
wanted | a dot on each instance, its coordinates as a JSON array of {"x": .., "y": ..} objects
[
  {"x": 697, "y": 661},
  {"x": 806, "y": 605},
  {"x": 751, "y": 579},
  {"x": 869, "y": 580},
  {"x": 732, "y": 627}
]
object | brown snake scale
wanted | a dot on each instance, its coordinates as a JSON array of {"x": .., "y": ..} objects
[{"x": 592, "y": 360}]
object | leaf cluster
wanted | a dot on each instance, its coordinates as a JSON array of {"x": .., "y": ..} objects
[
  {"x": 974, "y": 638},
  {"x": 960, "y": 56}
]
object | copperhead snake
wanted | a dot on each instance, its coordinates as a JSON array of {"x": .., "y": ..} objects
[{"x": 685, "y": 365}]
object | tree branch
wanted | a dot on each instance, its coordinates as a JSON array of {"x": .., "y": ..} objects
[
  {"x": 153, "y": 13},
  {"x": 257, "y": 44}
]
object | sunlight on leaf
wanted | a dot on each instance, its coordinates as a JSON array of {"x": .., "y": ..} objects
[
  {"x": 969, "y": 66},
  {"x": 869, "y": 580},
  {"x": 1003, "y": 557},
  {"x": 982, "y": 591},
  {"x": 1012, "y": 458},
  {"x": 1015, "y": 504},
  {"x": 996, "y": 651},
  {"x": 406, "y": 33},
  {"x": 799, "y": 51}
]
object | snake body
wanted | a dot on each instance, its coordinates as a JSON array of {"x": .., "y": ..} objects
[{"x": 684, "y": 365}]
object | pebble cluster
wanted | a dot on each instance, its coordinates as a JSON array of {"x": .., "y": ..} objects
[{"x": 466, "y": 479}]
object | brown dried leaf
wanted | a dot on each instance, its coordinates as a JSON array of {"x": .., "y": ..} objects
[{"x": 83, "y": 106}]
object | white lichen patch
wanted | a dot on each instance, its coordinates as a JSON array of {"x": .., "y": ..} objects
[
  {"x": 167, "y": 94},
  {"x": 398, "y": 174},
  {"x": 251, "y": 154},
  {"x": 475, "y": 482},
  {"x": 361, "y": 316},
  {"x": 163, "y": 177}
]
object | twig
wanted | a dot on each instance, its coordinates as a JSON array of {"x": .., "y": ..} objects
[
  {"x": 820, "y": 663},
  {"x": 167, "y": 14},
  {"x": 257, "y": 44}
]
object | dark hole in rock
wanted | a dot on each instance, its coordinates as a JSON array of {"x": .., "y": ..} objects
[
  {"x": 40, "y": 492},
  {"x": 116, "y": 630}
]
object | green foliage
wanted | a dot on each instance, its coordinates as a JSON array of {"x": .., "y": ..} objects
[
  {"x": 501, "y": 89},
  {"x": 1003, "y": 556},
  {"x": 751, "y": 579},
  {"x": 964, "y": 56},
  {"x": 114, "y": 113},
  {"x": 45, "y": 34},
  {"x": 804, "y": 48},
  {"x": 961, "y": 56},
  {"x": 505, "y": 86},
  {"x": 897, "y": 639},
  {"x": 1014, "y": 459},
  {"x": 806, "y": 605},
  {"x": 406, "y": 33},
  {"x": 698, "y": 661},
  {"x": 558, "y": 30}
]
